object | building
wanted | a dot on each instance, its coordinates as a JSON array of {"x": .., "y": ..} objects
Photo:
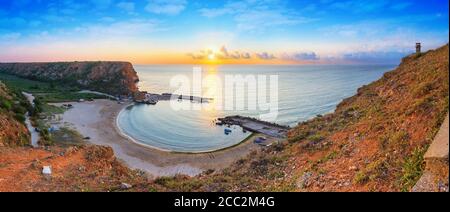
[{"x": 418, "y": 47}]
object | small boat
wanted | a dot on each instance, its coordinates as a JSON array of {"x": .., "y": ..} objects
[
  {"x": 151, "y": 102},
  {"x": 227, "y": 131}
]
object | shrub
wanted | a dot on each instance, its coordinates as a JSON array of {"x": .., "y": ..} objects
[
  {"x": 316, "y": 138},
  {"x": 302, "y": 135},
  {"x": 20, "y": 117},
  {"x": 423, "y": 104},
  {"x": 412, "y": 169},
  {"x": 4, "y": 103},
  {"x": 376, "y": 169},
  {"x": 422, "y": 89}
]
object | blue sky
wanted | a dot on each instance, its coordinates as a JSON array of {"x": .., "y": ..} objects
[{"x": 245, "y": 31}]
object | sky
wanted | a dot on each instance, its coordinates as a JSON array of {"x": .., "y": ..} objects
[{"x": 220, "y": 31}]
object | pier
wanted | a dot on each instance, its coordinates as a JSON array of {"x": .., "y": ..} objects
[
  {"x": 256, "y": 126},
  {"x": 151, "y": 98}
]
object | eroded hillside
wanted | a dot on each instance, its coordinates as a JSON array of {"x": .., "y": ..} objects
[
  {"x": 374, "y": 141},
  {"x": 12, "y": 131},
  {"x": 110, "y": 77}
]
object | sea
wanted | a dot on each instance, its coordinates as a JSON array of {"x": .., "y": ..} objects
[{"x": 284, "y": 94}]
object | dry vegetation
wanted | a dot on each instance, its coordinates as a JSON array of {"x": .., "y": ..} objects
[{"x": 374, "y": 141}]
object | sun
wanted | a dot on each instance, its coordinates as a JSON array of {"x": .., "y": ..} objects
[{"x": 211, "y": 56}]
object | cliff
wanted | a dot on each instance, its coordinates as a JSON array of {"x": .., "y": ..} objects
[
  {"x": 12, "y": 131},
  {"x": 109, "y": 77},
  {"x": 374, "y": 141}
]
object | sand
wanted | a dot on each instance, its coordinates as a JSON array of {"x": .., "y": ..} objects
[{"x": 97, "y": 120}]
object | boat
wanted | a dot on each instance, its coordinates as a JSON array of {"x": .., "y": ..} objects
[
  {"x": 151, "y": 102},
  {"x": 227, "y": 131}
]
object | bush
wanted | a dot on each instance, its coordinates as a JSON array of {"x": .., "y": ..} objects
[
  {"x": 4, "y": 103},
  {"x": 412, "y": 169},
  {"x": 20, "y": 117},
  {"x": 298, "y": 137},
  {"x": 375, "y": 170},
  {"x": 19, "y": 109},
  {"x": 316, "y": 138}
]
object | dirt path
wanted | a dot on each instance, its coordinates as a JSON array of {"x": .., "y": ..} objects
[{"x": 34, "y": 135}]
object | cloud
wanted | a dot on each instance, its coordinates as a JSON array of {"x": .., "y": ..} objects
[
  {"x": 257, "y": 16},
  {"x": 126, "y": 6},
  {"x": 20, "y": 3},
  {"x": 166, "y": 7},
  {"x": 223, "y": 54},
  {"x": 300, "y": 56},
  {"x": 265, "y": 56},
  {"x": 368, "y": 6},
  {"x": 401, "y": 6},
  {"x": 117, "y": 30},
  {"x": 9, "y": 37},
  {"x": 375, "y": 57},
  {"x": 102, "y": 4},
  {"x": 262, "y": 19},
  {"x": 246, "y": 55}
]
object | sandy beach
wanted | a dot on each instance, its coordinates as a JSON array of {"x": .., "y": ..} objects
[{"x": 97, "y": 120}]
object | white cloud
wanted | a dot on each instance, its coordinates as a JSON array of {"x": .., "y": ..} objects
[
  {"x": 166, "y": 7},
  {"x": 135, "y": 27},
  {"x": 254, "y": 15},
  {"x": 224, "y": 54},
  {"x": 102, "y": 4},
  {"x": 300, "y": 56},
  {"x": 126, "y": 6},
  {"x": 10, "y": 37},
  {"x": 265, "y": 56}
]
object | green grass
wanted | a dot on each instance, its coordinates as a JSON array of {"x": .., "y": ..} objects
[
  {"x": 50, "y": 109},
  {"x": 412, "y": 169},
  {"x": 46, "y": 91},
  {"x": 67, "y": 137}
]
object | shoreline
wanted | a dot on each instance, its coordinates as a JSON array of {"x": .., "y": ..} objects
[
  {"x": 135, "y": 141},
  {"x": 101, "y": 126}
]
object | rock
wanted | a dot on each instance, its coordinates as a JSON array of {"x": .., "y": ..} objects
[
  {"x": 304, "y": 181},
  {"x": 353, "y": 168},
  {"x": 47, "y": 170},
  {"x": 36, "y": 164},
  {"x": 81, "y": 169},
  {"x": 125, "y": 186}
]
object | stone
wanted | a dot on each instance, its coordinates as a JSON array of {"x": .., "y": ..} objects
[
  {"x": 304, "y": 181},
  {"x": 353, "y": 168},
  {"x": 125, "y": 186},
  {"x": 47, "y": 170}
]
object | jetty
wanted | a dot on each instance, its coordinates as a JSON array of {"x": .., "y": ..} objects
[
  {"x": 151, "y": 98},
  {"x": 256, "y": 125}
]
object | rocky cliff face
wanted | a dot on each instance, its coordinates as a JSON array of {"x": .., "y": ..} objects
[
  {"x": 110, "y": 77},
  {"x": 12, "y": 132},
  {"x": 374, "y": 141}
]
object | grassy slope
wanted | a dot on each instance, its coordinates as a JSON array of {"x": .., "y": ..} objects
[
  {"x": 46, "y": 91},
  {"x": 374, "y": 141},
  {"x": 12, "y": 109}
]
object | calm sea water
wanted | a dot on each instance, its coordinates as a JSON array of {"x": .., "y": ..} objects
[{"x": 303, "y": 92}]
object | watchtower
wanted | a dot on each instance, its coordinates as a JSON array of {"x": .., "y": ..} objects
[{"x": 418, "y": 46}]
